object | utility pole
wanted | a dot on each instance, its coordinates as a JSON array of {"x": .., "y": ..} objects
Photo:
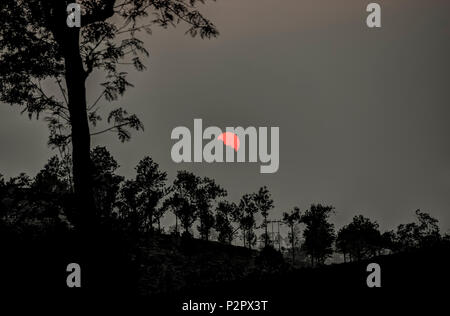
[{"x": 278, "y": 239}]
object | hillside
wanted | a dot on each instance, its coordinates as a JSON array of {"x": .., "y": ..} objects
[
  {"x": 170, "y": 270},
  {"x": 421, "y": 274}
]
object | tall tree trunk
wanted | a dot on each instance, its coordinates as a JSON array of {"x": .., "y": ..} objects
[
  {"x": 81, "y": 141},
  {"x": 98, "y": 258},
  {"x": 68, "y": 40},
  {"x": 84, "y": 217}
]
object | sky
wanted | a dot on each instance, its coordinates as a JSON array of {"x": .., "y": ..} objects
[{"x": 363, "y": 113}]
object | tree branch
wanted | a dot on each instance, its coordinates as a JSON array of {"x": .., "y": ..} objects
[
  {"x": 62, "y": 91},
  {"x": 96, "y": 101},
  {"x": 109, "y": 129},
  {"x": 99, "y": 14}
]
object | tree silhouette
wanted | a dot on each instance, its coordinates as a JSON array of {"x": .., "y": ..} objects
[
  {"x": 224, "y": 217},
  {"x": 183, "y": 201},
  {"x": 128, "y": 206},
  {"x": 428, "y": 232},
  {"x": 388, "y": 241},
  {"x": 160, "y": 211},
  {"x": 183, "y": 210},
  {"x": 264, "y": 203},
  {"x": 47, "y": 197},
  {"x": 360, "y": 239},
  {"x": 35, "y": 206},
  {"x": 319, "y": 233},
  {"x": 207, "y": 192},
  {"x": 106, "y": 183},
  {"x": 425, "y": 233},
  {"x": 407, "y": 236},
  {"x": 246, "y": 216},
  {"x": 66, "y": 57},
  {"x": 292, "y": 219},
  {"x": 151, "y": 184}
]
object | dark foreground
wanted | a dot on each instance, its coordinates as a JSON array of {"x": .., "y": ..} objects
[{"x": 236, "y": 280}]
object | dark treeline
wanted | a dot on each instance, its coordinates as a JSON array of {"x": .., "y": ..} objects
[
  {"x": 133, "y": 205},
  {"x": 135, "y": 208}
]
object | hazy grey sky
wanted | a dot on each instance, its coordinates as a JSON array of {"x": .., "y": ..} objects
[{"x": 363, "y": 113}]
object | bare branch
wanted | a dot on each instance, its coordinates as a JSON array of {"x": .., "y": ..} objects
[
  {"x": 96, "y": 101},
  {"x": 62, "y": 91},
  {"x": 62, "y": 114},
  {"x": 138, "y": 28},
  {"x": 110, "y": 128}
]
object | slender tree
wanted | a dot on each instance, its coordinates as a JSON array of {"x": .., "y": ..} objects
[
  {"x": 264, "y": 203},
  {"x": 207, "y": 192},
  {"x": 247, "y": 221},
  {"x": 128, "y": 205},
  {"x": 183, "y": 201},
  {"x": 151, "y": 184},
  {"x": 292, "y": 219}
]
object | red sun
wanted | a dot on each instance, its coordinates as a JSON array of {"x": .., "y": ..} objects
[{"x": 230, "y": 139}]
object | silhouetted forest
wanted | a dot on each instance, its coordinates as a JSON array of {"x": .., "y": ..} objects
[{"x": 209, "y": 239}]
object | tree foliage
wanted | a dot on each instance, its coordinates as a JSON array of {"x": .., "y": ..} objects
[
  {"x": 423, "y": 233},
  {"x": 319, "y": 233},
  {"x": 110, "y": 39},
  {"x": 360, "y": 239},
  {"x": 225, "y": 212}
]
